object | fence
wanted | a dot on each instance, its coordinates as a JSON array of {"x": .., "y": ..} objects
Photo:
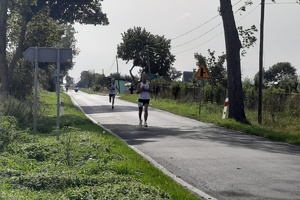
[{"x": 273, "y": 101}]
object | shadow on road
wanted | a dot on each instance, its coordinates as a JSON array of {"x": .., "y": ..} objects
[
  {"x": 107, "y": 109},
  {"x": 135, "y": 135}
]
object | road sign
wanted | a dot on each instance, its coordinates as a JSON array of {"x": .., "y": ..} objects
[
  {"x": 153, "y": 76},
  {"x": 48, "y": 54},
  {"x": 202, "y": 72}
]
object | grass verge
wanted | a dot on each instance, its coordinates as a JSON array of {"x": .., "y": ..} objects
[
  {"x": 283, "y": 129},
  {"x": 85, "y": 163}
]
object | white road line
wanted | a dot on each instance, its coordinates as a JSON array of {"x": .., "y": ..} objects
[{"x": 153, "y": 162}]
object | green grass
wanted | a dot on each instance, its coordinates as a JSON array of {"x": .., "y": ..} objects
[
  {"x": 283, "y": 128},
  {"x": 86, "y": 90},
  {"x": 85, "y": 163}
]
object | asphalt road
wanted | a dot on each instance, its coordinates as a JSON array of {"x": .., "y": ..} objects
[{"x": 215, "y": 162}]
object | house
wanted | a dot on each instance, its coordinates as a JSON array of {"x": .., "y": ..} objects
[{"x": 187, "y": 76}]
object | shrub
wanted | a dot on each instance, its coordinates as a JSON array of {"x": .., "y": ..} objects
[
  {"x": 21, "y": 110},
  {"x": 292, "y": 105},
  {"x": 175, "y": 89},
  {"x": 8, "y": 132}
]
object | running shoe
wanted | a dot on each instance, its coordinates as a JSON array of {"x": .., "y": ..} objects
[
  {"x": 145, "y": 124},
  {"x": 141, "y": 123}
]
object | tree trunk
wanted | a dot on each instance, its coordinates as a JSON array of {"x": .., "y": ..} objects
[
  {"x": 133, "y": 79},
  {"x": 3, "y": 61},
  {"x": 20, "y": 46},
  {"x": 7, "y": 71},
  {"x": 233, "y": 46}
]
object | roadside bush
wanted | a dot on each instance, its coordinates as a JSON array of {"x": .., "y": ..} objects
[
  {"x": 40, "y": 152},
  {"x": 130, "y": 190},
  {"x": 21, "y": 110},
  {"x": 22, "y": 84},
  {"x": 72, "y": 120},
  {"x": 176, "y": 88},
  {"x": 97, "y": 88},
  {"x": 208, "y": 94},
  {"x": 8, "y": 132},
  {"x": 292, "y": 105},
  {"x": 63, "y": 181},
  {"x": 109, "y": 186},
  {"x": 273, "y": 100}
]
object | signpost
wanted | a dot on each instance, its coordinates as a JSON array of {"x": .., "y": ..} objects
[
  {"x": 47, "y": 54},
  {"x": 153, "y": 76},
  {"x": 202, "y": 73}
]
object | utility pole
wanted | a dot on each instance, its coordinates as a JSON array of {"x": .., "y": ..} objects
[
  {"x": 118, "y": 73},
  {"x": 148, "y": 57},
  {"x": 117, "y": 64},
  {"x": 262, "y": 19}
]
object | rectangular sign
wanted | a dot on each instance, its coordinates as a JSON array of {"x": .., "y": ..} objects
[{"x": 48, "y": 54}]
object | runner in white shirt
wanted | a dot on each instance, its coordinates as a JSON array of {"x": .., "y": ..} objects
[
  {"x": 112, "y": 92},
  {"x": 143, "y": 89}
]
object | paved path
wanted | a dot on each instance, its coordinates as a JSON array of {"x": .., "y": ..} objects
[{"x": 221, "y": 163}]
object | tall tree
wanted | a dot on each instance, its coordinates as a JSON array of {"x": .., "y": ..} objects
[
  {"x": 146, "y": 51},
  {"x": 173, "y": 74},
  {"x": 215, "y": 66},
  {"x": 279, "y": 71},
  {"x": 67, "y": 11},
  {"x": 45, "y": 32},
  {"x": 87, "y": 79},
  {"x": 233, "y": 47}
]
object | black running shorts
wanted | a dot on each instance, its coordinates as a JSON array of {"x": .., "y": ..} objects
[{"x": 142, "y": 102}]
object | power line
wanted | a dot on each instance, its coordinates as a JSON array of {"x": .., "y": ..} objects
[
  {"x": 200, "y": 44},
  {"x": 217, "y": 34},
  {"x": 200, "y": 35},
  {"x": 195, "y": 28},
  {"x": 200, "y": 25},
  {"x": 108, "y": 71},
  {"x": 197, "y": 37},
  {"x": 283, "y": 3},
  {"x": 248, "y": 13}
]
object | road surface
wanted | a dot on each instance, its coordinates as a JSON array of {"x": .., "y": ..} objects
[{"x": 216, "y": 162}]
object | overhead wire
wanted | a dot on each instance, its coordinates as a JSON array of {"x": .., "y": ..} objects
[
  {"x": 185, "y": 43},
  {"x": 217, "y": 34},
  {"x": 152, "y": 47},
  {"x": 200, "y": 25},
  {"x": 283, "y": 3},
  {"x": 195, "y": 27},
  {"x": 109, "y": 70}
]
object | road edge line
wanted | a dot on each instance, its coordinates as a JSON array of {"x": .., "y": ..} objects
[{"x": 151, "y": 160}]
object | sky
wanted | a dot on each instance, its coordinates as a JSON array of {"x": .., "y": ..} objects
[{"x": 193, "y": 27}]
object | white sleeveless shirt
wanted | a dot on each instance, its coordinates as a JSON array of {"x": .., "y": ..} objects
[
  {"x": 144, "y": 94},
  {"x": 113, "y": 88}
]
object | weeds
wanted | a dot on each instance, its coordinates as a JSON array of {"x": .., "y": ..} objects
[{"x": 85, "y": 164}]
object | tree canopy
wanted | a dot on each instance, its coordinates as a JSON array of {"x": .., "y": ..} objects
[
  {"x": 15, "y": 17},
  {"x": 277, "y": 72},
  {"x": 70, "y": 11},
  {"x": 281, "y": 75},
  {"x": 149, "y": 52},
  {"x": 215, "y": 66}
]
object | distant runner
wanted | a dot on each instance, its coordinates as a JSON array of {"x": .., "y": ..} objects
[
  {"x": 112, "y": 92},
  {"x": 143, "y": 89}
]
